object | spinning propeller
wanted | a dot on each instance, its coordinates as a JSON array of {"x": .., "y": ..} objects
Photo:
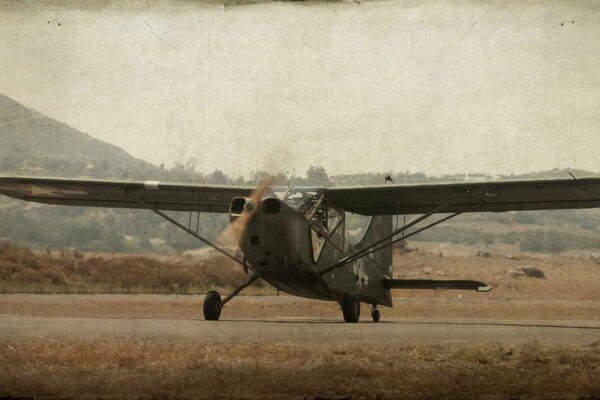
[{"x": 239, "y": 224}]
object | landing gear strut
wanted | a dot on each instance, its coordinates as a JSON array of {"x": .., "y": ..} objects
[
  {"x": 213, "y": 303},
  {"x": 351, "y": 308}
]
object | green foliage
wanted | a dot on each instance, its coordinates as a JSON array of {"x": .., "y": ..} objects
[
  {"x": 452, "y": 234},
  {"x": 556, "y": 242},
  {"x": 544, "y": 242},
  {"x": 317, "y": 176}
]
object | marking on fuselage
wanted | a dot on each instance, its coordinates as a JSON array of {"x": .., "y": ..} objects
[
  {"x": 359, "y": 270},
  {"x": 10, "y": 188}
]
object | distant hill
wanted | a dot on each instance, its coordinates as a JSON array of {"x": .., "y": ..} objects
[{"x": 34, "y": 144}]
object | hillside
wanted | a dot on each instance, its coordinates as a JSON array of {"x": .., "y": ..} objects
[{"x": 33, "y": 144}]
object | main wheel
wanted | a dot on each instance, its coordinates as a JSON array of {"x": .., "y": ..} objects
[
  {"x": 351, "y": 308},
  {"x": 212, "y": 306},
  {"x": 375, "y": 315}
]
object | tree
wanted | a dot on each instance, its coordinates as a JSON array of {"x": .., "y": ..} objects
[
  {"x": 317, "y": 176},
  {"x": 218, "y": 177}
]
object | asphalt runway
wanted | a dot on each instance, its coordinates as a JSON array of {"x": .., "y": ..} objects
[{"x": 317, "y": 331}]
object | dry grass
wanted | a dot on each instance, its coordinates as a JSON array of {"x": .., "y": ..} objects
[
  {"x": 25, "y": 271},
  {"x": 144, "y": 369},
  {"x": 571, "y": 277}
]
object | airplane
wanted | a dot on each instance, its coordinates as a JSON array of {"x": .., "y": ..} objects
[{"x": 295, "y": 238}]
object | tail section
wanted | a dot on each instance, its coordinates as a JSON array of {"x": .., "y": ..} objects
[{"x": 379, "y": 227}]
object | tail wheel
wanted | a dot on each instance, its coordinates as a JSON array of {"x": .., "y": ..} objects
[
  {"x": 375, "y": 315},
  {"x": 212, "y": 306},
  {"x": 351, "y": 308}
]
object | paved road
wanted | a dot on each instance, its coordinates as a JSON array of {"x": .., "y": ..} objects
[{"x": 398, "y": 331}]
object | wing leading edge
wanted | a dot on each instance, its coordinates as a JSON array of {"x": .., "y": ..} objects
[
  {"x": 122, "y": 194},
  {"x": 468, "y": 197},
  {"x": 366, "y": 200}
]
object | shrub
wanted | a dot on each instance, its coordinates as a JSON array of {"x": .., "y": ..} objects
[
  {"x": 533, "y": 272},
  {"x": 545, "y": 242}
]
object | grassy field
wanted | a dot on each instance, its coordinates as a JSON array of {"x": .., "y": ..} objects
[
  {"x": 191, "y": 370},
  {"x": 25, "y": 271},
  {"x": 573, "y": 276}
]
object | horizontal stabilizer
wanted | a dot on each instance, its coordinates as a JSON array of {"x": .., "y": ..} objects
[{"x": 436, "y": 284}]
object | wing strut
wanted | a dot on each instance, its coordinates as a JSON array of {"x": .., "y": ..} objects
[
  {"x": 183, "y": 227},
  {"x": 378, "y": 244},
  {"x": 404, "y": 237}
]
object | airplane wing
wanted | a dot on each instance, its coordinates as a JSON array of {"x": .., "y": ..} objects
[
  {"x": 468, "y": 197},
  {"x": 367, "y": 200},
  {"x": 122, "y": 194}
]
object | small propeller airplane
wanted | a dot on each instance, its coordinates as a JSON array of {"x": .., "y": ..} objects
[{"x": 295, "y": 238}]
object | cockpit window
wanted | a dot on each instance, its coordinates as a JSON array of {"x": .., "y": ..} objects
[
  {"x": 328, "y": 230},
  {"x": 356, "y": 227}
]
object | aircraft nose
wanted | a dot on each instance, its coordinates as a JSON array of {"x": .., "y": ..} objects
[
  {"x": 261, "y": 230},
  {"x": 242, "y": 205}
]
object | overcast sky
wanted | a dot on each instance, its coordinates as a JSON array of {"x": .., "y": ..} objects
[{"x": 493, "y": 87}]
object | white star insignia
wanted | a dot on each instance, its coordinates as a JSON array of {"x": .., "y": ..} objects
[
  {"x": 359, "y": 271},
  {"x": 47, "y": 191}
]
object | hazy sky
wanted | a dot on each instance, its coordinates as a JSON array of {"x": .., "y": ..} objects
[{"x": 451, "y": 86}]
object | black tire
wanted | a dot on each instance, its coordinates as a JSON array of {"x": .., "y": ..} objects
[
  {"x": 212, "y": 306},
  {"x": 375, "y": 315},
  {"x": 351, "y": 308}
]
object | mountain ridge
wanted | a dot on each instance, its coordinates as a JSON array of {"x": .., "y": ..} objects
[{"x": 34, "y": 143}]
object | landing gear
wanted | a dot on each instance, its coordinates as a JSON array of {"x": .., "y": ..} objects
[
  {"x": 213, "y": 303},
  {"x": 375, "y": 314},
  {"x": 350, "y": 308},
  {"x": 212, "y": 306}
]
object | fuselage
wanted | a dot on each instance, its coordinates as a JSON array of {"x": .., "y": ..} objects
[{"x": 288, "y": 249}]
